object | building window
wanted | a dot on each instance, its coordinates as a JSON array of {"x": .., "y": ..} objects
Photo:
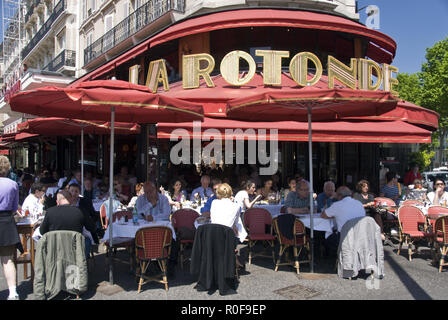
[
  {"x": 60, "y": 39},
  {"x": 108, "y": 36},
  {"x": 126, "y": 9}
]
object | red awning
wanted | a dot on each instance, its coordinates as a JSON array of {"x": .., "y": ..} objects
[
  {"x": 24, "y": 135},
  {"x": 381, "y": 47},
  {"x": 4, "y": 152},
  {"x": 409, "y": 112},
  {"x": 214, "y": 100},
  {"x": 65, "y": 127},
  {"x": 338, "y": 131}
]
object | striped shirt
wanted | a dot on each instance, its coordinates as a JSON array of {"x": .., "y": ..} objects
[{"x": 390, "y": 192}]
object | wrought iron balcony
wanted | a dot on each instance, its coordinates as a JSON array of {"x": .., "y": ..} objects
[
  {"x": 31, "y": 9},
  {"x": 146, "y": 14},
  {"x": 65, "y": 58},
  {"x": 57, "y": 11}
]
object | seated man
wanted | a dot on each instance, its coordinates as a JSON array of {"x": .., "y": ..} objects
[
  {"x": 298, "y": 202},
  {"x": 67, "y": 217},
  {"x": 346, "y": 208},
  {"x": 84, "y": 204},
  {"x": 204, "y": 191},
  {"x": 152, "y": 204},
  {"x": 205, "y": 210},
  {"x": 326, "y": 198}
]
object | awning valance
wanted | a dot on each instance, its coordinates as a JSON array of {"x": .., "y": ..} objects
[{"x": 337, "y": 131}]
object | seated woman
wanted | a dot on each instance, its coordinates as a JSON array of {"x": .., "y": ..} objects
[
  {"x": 118, "y": 189},
  {"x": 390, "y": 189},
  {"x": 138, "y": 192},
  {"x": 368, "y": 202},
  {"x": 292, "y": 186},
  {"x": 176, "y": 194},
  {"x": 439, "y": 196},
  {"x": 266, "y": 190},
  {"x": 227, "y": 213},
  {"x": 242, "y": 197}
]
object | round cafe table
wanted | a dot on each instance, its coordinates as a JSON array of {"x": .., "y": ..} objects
[{"x": 128, "y": 229}]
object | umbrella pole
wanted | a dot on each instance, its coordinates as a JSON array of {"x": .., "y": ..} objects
[
  {"x": 82, "y": 161},
  {"x": 111, "y": 192},
  {"x": 310, "y": 163}
]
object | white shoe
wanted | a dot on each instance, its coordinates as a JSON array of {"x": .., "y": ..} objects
[
  {"x": 394, "y": 232},
  {"x": 13, "y": 298}
]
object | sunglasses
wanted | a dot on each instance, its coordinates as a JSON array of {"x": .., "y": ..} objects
[{"x": 440, "y": 184}]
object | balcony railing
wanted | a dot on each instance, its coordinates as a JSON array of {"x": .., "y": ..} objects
[
  {"x": 31, "y": 10},
  {"x": 146, "y": 14},
  {"x": 58, "y": 9},
  {"x": 65, "y": 58}
]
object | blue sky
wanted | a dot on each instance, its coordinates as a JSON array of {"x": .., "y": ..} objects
[{"x": 414, "y": 24}]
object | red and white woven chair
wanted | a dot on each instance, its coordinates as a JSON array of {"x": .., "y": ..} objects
[
  {"x": 153, "y": 244},
  {"x": 256, "y": 221},
  {"x": 413, "y": 228},
  {"x": 441, "y": 240},
  {"x": 183, "y": 220}
]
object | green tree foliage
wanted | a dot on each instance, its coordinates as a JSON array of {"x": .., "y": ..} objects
[
  {"x": 409, "y": 87},
  {"x": 422, "y": 158}
]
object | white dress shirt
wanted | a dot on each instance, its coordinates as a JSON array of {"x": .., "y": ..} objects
[
  {"x": 227, "y": 213},
  {"x": 344, "y": 210},
  {"x": 161, "y": 211}
]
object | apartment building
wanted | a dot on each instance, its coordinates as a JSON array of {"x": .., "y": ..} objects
[{"x": 109, "y": 28}]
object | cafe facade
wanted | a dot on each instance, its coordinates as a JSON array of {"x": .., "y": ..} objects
[{"x": 213, "y": 57}]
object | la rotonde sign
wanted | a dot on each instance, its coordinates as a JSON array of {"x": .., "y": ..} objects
[{"x": 358, "y": 75}]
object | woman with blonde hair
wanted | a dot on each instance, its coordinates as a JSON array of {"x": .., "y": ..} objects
[{"x": 226, "y": 212}]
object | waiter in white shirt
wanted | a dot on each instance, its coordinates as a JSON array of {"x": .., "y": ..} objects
[
  {"x": 152, "y": 204},
  {"x": 203, "y": 191}
]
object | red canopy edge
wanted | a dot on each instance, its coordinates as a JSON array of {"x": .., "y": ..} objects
[
  {"x": 63, "y": 126},
  {"x": 337, "y": 131},
  {"x": 384, "y": 48}
]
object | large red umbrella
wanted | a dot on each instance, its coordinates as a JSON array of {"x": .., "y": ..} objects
[
  {"x": 62, "y": 126},
  {"x": 104, "y": 100},
  {"x": 301, "y": 103},
  {"x": 94, "y": 100}
]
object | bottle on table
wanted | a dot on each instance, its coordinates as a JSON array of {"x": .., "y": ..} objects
[{"x": 135, "y": 216}]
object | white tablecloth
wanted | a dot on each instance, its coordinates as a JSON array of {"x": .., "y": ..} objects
[
  {"x": 319, "y": 223},
  {"x": 274, "y": 209},
  {"x": 128, "y": 230}
]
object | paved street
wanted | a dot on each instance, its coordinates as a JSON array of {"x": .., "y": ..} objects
[{"x": 403, "y": 280}]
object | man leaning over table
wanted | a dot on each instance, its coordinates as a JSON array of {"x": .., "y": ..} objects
[
  {"x": 155, "y": 206},
  {"x": 152, "y": 204},
  {"x": 345, "y": 209}
]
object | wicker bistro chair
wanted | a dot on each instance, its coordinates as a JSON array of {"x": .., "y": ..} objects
[
  {"x": 433, "y": 213},
  {"x": 410, "y": 219},
  {"x": 256, "y": 221},
  {"x": 384, "y": 206},
  {"x": 299, "y": 241},
  {"x": 153, "y": 244},
  {"x": 121, "y": 242},
  {"x": 183, "y": 224},
  {"x": 441, "y": 240}
]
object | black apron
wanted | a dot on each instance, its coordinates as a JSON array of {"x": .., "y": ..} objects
[{"x": 8, "y": 229}]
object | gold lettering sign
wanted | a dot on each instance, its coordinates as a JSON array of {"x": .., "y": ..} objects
[
  {"x": 389, "y": 82},
  {"x": 298, "y": 68},
  {"x": 133, "y": 74},
  {"x": 358, "y": 75},
  {"x": 272, "y": 65},
  {"x": 157, "y": 74},
  {"x": 191, "y": 70},
  {"x": 345, "y": 74},
  {"x": 230, "y": 68},
  {"x": 365, "y": 72}
]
